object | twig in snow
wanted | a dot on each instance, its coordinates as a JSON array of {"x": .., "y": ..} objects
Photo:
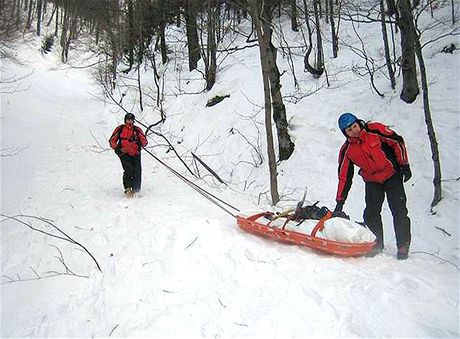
[
  {"x": 239, "y": 324},
  {"x": 64, "y": 236},
  {"x": 443, "y": 230},
  {"x": 38, "y": 275},
  {"x": 451, "y": 179},
  {"x": 437, "y": 256},
  {"x": 220, "y": 302},
  {"x": 52, "y": 274},
  {"x": 67, "y": 188},
  {"x": 113, "y": 329},
  {"x": 191, "y": 243}
]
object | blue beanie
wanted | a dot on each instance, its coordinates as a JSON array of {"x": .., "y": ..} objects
[{"x": 346, "y": 120}]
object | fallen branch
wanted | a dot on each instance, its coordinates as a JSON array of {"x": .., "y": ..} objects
[
  {"x": 63, "y": 235},
  {"x": 191, "y": 243},
  {"x": 209, "y": 169},
  {"x": 437, "y": 256},
  {"x": 52, "y": 274},
  {"x": 443, "y": 230},
  {"x": 113, "y": 329}
]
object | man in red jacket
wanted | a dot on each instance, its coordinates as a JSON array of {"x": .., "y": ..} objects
[
  {"x": 381, "y": 155},
  {"x": 127, "y": 141}
]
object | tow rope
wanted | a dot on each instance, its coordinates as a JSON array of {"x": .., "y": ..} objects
[{"x": 211, "y": 197}]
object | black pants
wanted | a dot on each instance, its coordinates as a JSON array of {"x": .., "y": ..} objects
[
  {"x": 132, "y": 171},
  {"x": 396, "y": 197}
]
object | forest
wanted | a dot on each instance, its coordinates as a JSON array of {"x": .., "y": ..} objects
[{"x": 131, "y": 35}]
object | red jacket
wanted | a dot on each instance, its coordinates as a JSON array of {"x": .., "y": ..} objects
[
  {"x": 129, "y": 139},
  {"x": 378, "y": 152}
]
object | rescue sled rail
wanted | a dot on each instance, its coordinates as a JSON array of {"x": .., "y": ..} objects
[{"x": 342, "y": 249}]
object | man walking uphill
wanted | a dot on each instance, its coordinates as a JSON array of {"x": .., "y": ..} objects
[
  {"x": 127, "y": 141},
  {"x": 381, "y": 155}
]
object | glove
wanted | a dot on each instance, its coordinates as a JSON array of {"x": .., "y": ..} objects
[
  {"x": 339, "y": 206},
  {"x": 338, "y": 213},
  {"x": 405, "y": 172},
  {"x": 118, "y": 151}
]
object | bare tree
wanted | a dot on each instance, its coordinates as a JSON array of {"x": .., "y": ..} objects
[
  {"x": 209, "y": 56},
  {"x": 334, "y": 33},
  {"x": 405, "y": 22},
  {"x": 318, "y": 69},
  {"x": 264, "y": 48},
  {"x": 192, "y": 34},
  {"x": 391, "y": 72}
]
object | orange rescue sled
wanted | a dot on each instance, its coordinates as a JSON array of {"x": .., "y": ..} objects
[{"x": 343, "y": 249}]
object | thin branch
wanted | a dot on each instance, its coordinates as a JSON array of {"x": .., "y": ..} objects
[
  {"x": 191, "y": 243},
  {"x": 65, "y": 237},
  {"x": 438, "y": 257}
]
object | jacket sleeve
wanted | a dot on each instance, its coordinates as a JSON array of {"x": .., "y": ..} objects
[
  {"x": 113, "y": 141},
  {"x": 142, "y": 139},
  {"x": 345, "y": 171},
  {"x": 390, "y": 138}
]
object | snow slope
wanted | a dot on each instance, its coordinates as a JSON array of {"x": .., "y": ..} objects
[{"x": 175, "y": 265}]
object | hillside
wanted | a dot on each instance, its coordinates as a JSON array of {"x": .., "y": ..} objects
[{"x": 175, "y": 265}]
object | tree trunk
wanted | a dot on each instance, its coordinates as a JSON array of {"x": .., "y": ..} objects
[
  {"x": 131, "y": 38},
  {"x": 163, "y": 47},
  {"x": 263, "y": 48},
  {"x": 264, "y": 51},
  {"x": 405, "y": 22},
  {"x": 316, "y": 72},
  {"x": 39, "y": 16},
  {"x": 319, "y": 40},
  {"x": 285, "y": 145},
  {"x": 211, "y": 50},
  {"x": 294, "y": 15},
  {"x": 429, "y": 124},
  {"x": 192, "y": 35},
  {"x": 389, "y": 63},
  {"x": 335, "y": 39},
  {"x": 392, "y": 9},
  {"x": 56, "y": 24},
  {"x": 29, "y": 16},
  {"x": 162, "y": 26}
]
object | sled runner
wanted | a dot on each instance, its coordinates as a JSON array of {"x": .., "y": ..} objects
[{"x": 262, "y": 224}]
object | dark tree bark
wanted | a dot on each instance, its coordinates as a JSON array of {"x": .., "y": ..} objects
[
  {"x": 192, "y": 35},
  {"x": 163, "y": 47},
  {"x": 315, "y": 71},
  {"x": 391, "y": 72},
  {"x": 335, "y": 39},
  {"x": 263, "y": 12},
  {"x": 392, "y": 9},
  {"x": 319, "y": 40},
  {"x": 264, "y": 48},
  {"x": 294, "y": 15},
  {"x": 211, "y": 49},
  {"x": 39, "y": 16},
  {"x": 131, "y": 38},
  {"x": 437, "y": 196},
  {"x": 29, "y": 16},
  {"x": 405, "y": 22}
]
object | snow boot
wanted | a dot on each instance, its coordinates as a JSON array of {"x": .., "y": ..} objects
[
  {"x": 377, "y": 249},
  {"x": 129, "y": 192},
  {"x": 403, "y": 252}
]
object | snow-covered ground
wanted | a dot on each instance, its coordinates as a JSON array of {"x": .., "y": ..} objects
[{"x": 175, "y": 265}]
